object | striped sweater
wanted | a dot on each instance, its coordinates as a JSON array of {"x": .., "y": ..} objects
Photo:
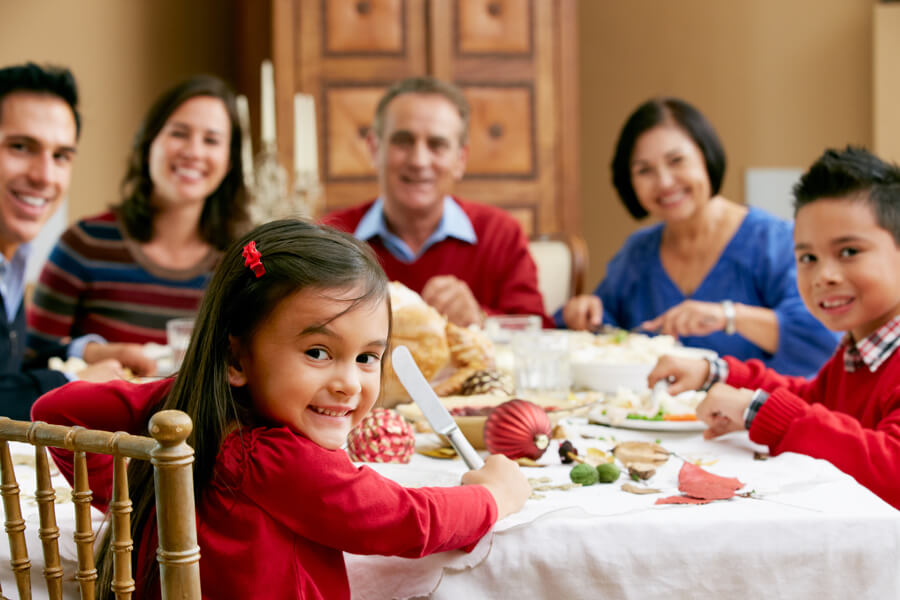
[{"x": 97, "y": 280}]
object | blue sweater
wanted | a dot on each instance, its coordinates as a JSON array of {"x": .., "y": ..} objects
[{"x": 756, "y": 268}]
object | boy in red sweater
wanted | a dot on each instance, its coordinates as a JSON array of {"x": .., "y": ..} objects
[{"x": 847, "y": 246}]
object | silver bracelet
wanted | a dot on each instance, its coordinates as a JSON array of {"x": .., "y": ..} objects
[{"x": 730, "y": 314}]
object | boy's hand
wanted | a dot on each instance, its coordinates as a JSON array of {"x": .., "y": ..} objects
[
  {"x": 682, "y": 373},
  {"x": 723, "y": 409},
  {"x": 504, "y": 480}
]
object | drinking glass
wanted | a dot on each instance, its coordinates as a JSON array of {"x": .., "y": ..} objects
[
  {"x": 178, "y": 336},
  {"x": 541, "y": 363}
]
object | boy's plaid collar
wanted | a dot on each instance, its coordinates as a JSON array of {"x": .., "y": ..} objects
[{"x": 874, "y": 349}]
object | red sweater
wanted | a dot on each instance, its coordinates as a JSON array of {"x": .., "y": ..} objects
[
  {"x": 497, "y": 268},
  {"x": 279, "y": 510},
  {"x": 850, "y": 419}
]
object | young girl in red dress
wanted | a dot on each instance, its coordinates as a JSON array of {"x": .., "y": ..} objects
[{"x": 285, "y": 359}]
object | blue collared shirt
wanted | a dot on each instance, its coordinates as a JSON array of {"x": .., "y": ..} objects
[
  {"x": 12, "y": 290},
  {"x": 454, "y": 223},
  {"x": 12, "y": 280}
]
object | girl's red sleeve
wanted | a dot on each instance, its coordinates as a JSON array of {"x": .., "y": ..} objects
[{"x": 111, "y": 406}]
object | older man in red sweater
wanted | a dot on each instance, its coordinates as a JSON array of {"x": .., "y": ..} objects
[{"x": 467, "y": 260}]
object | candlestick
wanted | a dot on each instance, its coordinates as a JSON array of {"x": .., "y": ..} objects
[
  {"x": 268, "y": 103},
  {"x": 305, "y": 146},
  {"x": 243, "y": 109}
]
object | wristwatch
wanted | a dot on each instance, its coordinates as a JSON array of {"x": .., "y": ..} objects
[{"x": 730, "y": 314}]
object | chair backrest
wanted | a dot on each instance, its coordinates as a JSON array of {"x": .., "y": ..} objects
[
  {"x": 178, "y": 553},
  {"x": 561, "y": 260}
]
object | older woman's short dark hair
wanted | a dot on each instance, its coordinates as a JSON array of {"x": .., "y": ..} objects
[{"x": 647, "y": 116}]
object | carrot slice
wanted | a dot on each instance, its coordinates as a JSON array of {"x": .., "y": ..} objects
[{"x": 682, "y": 417}]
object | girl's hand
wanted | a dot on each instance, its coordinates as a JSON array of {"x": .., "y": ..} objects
[
  {"x": 723, "y": 409},
  {"x": 504, "y": 480},
  {"x": 690, "y": 318},
  {"x": 583, "y": 312},
  {"x": 682, "y": 373}
]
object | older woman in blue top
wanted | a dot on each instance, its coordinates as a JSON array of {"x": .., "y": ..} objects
[{"x": 714, "y": 273}]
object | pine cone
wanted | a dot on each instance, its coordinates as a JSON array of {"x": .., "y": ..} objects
[{"x": 487, "y": 381}]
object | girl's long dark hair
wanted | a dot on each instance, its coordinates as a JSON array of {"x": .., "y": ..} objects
[
  {"x": 296, "y": 255},
  {"x": 224, "y": 215}
]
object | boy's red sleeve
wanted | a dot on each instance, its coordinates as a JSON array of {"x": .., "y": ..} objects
[
  {"x": 753, "y": 375},
  {"x": 787, "y": 423}
]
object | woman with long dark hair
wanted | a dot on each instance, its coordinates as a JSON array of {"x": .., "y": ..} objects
[{"x": 123, "y": 274}]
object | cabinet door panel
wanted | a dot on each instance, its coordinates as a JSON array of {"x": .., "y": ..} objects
[
  {"x": 493, "y": 26},
  {"x": 370, "y": 26},
  {"x": 501, "y": 140},
  {"x": 348, "y": 116}
]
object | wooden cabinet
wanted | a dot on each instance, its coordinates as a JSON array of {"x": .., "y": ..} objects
[{"x": 514, "y": 59}]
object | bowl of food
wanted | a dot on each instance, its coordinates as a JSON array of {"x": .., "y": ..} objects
[{"x": 612, "y": 361}]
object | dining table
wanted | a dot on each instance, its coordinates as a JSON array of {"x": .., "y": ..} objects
[{"x": 797, "y": 528}]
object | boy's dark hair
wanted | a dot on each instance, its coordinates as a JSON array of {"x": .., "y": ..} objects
[
  {"x": 648, "y": 115},
  {"x": 224, "y": 215},
  {"x": 424, "y": 85},
  {"x": 296, "y": 256},
  {"x": 54, "y": 81},
  {"x": 854, "y": 172}
]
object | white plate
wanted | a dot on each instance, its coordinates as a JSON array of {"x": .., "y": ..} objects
[{"x": 644, "y": 425}]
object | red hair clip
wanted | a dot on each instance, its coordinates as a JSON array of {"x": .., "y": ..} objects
[{"x": 253, "y": 259}]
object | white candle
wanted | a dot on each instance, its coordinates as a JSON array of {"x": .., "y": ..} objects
[
  {"x": 305, "y": 147},
  {"x": 312, "y": 139},
  {"x": 243, "y": 108},
  {"x": 268, "y": 103}
]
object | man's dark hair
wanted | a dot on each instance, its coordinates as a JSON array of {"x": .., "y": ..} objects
[
  {"x": 854, "y": 173},
  {"x": 658, "y": 111},
  {"x": 54, "y": 81}
]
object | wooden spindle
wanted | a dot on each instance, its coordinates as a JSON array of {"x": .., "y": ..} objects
[
  {"x": 122, "y": 544},
  {"x": 178, "y": 553},
  {"x": 49, "y": 531},
  {"x": 84, "y": 532},
  {"x": 15, "y": 524}
]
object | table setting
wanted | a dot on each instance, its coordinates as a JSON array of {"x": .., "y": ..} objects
[{"x": 785, "y": 526}]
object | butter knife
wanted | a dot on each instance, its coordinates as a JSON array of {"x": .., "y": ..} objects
[{"x": 418, "y": 388}]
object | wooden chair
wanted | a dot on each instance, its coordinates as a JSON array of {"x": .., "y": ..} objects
[
  {"x": 561, "y": 260},
  {"x": 178, "y": 553}
]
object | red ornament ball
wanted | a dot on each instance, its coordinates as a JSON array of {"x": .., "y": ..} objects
[
  {"x": 382, "y": 436},
  {"x": 517, "y": 428}
]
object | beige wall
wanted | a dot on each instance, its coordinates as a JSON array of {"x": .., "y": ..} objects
[
  {"x": 123, "y": 54},
  {"x": 780, "y": 80}
]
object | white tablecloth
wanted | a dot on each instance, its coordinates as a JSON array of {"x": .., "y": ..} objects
[
  {"x": 815, "y": 533},
  {"x": 812, "y": 532}
]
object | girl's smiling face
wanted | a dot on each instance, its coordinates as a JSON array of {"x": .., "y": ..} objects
[
  {"x": 848, "y": 266},
  {"x": 312, "y": 366}
]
